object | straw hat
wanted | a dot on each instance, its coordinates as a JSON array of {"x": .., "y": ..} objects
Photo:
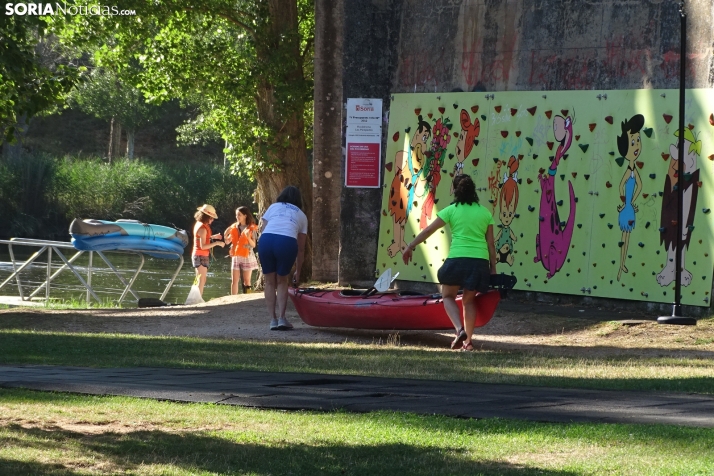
[{"x": 208, "y": 210}]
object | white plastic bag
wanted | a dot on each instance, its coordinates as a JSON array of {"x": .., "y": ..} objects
[{"x": 194, "y": 295}]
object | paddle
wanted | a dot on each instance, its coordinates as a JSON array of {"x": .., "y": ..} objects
[{"x": 382, "y": 284}]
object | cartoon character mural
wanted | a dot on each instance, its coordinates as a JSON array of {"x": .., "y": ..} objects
[
  {"x": 553, "y": 238},
  {"x": 629, "y": 145},
  {"x": 431, "y": 172},
  {"x": 669, "y": 229},
  {"x": 407, "y": 179},
  {"x": 508, "y": 201},
  {"x": 465, "y": 143}
]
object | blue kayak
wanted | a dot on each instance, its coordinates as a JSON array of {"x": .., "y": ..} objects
[{"x": 89, "y": 229}]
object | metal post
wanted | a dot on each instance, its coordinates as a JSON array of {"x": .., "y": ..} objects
[
  {"x": 49, "y": 274},
  {"x": 676, "y": 317},
  {"x": 89, "y": 272}
]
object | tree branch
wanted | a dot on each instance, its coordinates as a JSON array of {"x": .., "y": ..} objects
[{"x": 227, "y": 16}]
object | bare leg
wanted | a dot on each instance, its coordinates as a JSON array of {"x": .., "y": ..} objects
[
  {"x": 282, "y": 294},
  {"x": 449, "y": 294},
  {"x": 623, "y": 253},
  {"x": 201, "y": 272},
  {"x": 234, "y": 281},
  {"x": 247, "y": 274},
  {"x": 666, "y": 276},
  {"x": 269, "y": 290},
  {"x": 469, "y": 304}
]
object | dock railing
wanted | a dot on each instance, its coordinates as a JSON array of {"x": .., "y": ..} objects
[{"x": 59, "y": 248}]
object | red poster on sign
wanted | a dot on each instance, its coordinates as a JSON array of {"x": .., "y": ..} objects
[{"x": 363, "y": 165}]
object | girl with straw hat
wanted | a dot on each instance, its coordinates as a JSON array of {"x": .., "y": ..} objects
[{"x": 202, "y": 242}]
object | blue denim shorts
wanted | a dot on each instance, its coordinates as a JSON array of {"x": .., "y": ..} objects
[{"x": 277, "y": 253}]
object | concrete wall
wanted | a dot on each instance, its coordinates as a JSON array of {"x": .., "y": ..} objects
[{"x": 504, "y": 45}]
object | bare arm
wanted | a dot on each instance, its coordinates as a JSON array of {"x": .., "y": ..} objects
[
  {"x": 301, "y": 239},
  {"x": 202, "y": 238},
  {"x": 425, "y": 233},
  {"x": 491, "y": 248}
]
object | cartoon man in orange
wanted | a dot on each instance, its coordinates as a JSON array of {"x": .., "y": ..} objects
[
  {"x": 407, "y": 179},
  {"x": 465, "y": 142}
]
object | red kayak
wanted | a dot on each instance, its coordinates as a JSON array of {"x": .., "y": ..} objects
[{"x": 389, "y": 310}]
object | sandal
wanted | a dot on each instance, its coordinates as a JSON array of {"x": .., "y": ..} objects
[
  {"x": 460, "y": 337},
  {"x": 467, "y": 347}
]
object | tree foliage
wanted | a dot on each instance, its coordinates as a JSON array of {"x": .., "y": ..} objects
[
  {"x": 28, "y": 86},
  {"x": 246, "y": 63},
  {"x": 105, "y": 96}
]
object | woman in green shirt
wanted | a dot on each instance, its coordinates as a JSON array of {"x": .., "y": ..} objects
[{"x": 471, "y": 259}]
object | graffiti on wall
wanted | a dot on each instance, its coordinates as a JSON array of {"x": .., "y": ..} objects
[{"x": 582, "y": 185}]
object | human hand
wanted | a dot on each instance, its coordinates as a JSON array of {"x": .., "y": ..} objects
[
  {"x": 296, "y": 279},
  {"x": 220, "y": 243},
  {"x": 217, "y": 236},
  {"x": 407, "y": 255}
]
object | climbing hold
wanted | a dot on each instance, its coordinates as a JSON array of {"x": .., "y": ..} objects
[
  {"x": 608, "y": 119},
  {"x": 560, "y": 203},
  {"x": 430, "y": 115},
  {"x": 474, "y": 109},
  {"x": 535, "y": 156},
  {"x": 612, "y": 153},
  {"x": 608, "y": 184},
  {"x": 417, "y": 111},
  {"x": 584, "y": 147},
  {"x": 609, "y": 225},
  {"x": 620, "y": 161},
  {"x": 491, "y": 200},
  {"x": 475, "y": 162},
  {"x": 504, "y": 134},
  {"x": 592, "y": 126},
  {"x": 620, "y": 243},
  {"x": 580, "y": 225},
  {"x": 562, "y": 176},
  {"x": 706, "y": 210},
  {"x": 483, "y": 117},
  {"x": 640, "y": 164},
  {"x": 529, "y": 181},
  {"x": 602, "y": 215},
  {"x": 497, "y": 108},
  {"x": 645, "y": 195},
  {"x": 516, "y": 215},
  {"x": 647, "y": 225},
  {"x": 531, "y": 208},
  {"x": 577, "y": 137},
  {"x": 541, "y": 218},
  {"x": 408, "y": 129},
  {"x": 641, "y": 245},
  {"x": 647, "y": 131},
  {"x": 442, "y": 110},
  {"x": 514, "y": 111},
  {"x": 667, "y": 118},
  {"x": 548, "y": 114},
  {"x": 562, "y": 223},
  {"x": 690, "y": 227},
  {"x": 653, "y": 176},
  {"x": 455, "y": 106},
  {"x": 564, "y": 112},
  {"x": 613, "y": 261},
  {"x": 587, "y": 176},
  {"x": 550, "y": 144},
  {"x": 495, "y": 160},
  {"x": 574, "y": 174},
  {"x": 395, "y": 137}
]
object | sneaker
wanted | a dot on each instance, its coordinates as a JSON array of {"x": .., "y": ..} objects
[
  {"x": 284, "y": 325},
  {"x": 274, "y": 326}
]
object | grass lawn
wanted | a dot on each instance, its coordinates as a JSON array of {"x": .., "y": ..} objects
[
  {"x": 541, "y": 368},
  {"x": 58, "y": 434}
]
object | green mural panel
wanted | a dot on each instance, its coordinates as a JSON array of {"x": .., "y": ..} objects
[{"x": 611, "y": 236}]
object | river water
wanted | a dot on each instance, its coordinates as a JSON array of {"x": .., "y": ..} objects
[{"x": 151, "y": 282}]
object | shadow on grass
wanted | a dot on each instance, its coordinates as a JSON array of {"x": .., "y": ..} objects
[
  {"x": 102, "y": 350},
  {"x": 198, "y": 452}
]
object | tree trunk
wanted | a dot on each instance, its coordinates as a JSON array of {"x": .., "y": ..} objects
[
  {"x": 114, "y": 139},
  {"x": 288, "y": 148},
  {"x": 130, "y": 144}
]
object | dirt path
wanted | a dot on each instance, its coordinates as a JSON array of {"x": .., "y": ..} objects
[{"x": 560, "y": 330}]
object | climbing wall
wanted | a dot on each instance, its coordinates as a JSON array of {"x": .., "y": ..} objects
[{"x": 582, "y": 186}]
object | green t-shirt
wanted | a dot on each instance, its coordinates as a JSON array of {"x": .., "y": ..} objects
[{"x": 468, "y": 229}]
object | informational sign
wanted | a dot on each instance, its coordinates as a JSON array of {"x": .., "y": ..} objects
[{"x": 364, "y": 143}]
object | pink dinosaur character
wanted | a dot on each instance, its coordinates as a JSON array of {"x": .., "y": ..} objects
[{"x": 553, "y": 239}]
